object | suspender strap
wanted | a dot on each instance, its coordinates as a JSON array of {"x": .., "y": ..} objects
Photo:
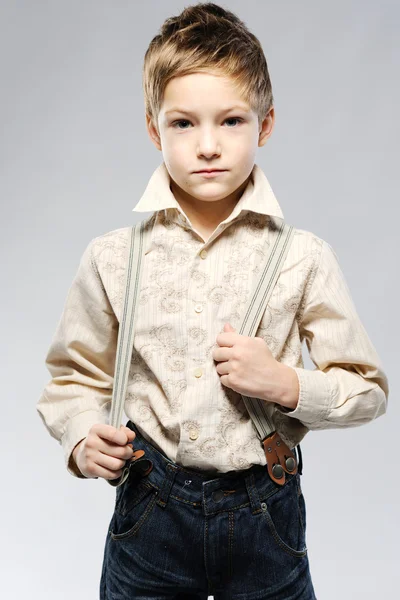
[
  {"x": 127, "y": 324},
  {"x": 278, "y": 456},
  {"x": 282, "y": 236},
  {"x": 133, "y": 275}
]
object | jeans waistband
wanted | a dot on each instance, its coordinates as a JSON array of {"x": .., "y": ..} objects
[{"x": 215, "y": 491}]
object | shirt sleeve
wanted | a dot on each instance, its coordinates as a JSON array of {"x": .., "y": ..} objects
[
  {"x": 81, "y": 361},
  {"x": 349, "y": 387}
]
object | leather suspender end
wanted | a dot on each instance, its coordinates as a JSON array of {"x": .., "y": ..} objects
[{"x": 279, "y": 458}]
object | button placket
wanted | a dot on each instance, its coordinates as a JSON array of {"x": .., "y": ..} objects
[{"x": 198, "y": 307}]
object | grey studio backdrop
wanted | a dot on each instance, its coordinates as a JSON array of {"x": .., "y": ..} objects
[{"x": 75, "y": 157}]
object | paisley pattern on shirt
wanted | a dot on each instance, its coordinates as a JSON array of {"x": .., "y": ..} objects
[{"x": 167, "y": 346}]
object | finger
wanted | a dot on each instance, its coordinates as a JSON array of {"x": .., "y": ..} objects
[
  {"x": 110, "y": 433},
  {"x": 222, "y": 354},
  {"x": 131, "y": 434},
  {"x": 99, "y": 471},
  {"x": 222, "y": 368},
  {"x": 111, "y": 449},
  {"x": 111, "y": 463}
]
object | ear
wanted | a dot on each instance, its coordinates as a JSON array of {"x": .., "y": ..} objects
[
  {"x": 266, "y": 127},
  {"x": 153, "y": 132}
]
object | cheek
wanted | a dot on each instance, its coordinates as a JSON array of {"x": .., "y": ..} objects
[
  {"x": 176, "y": 162},
  {"x": 247, "y": 155},
  {"x": 178, "y": 169},
  {"x": 174, "y": 139},
  {"x": 175, "y": 151},
  {"x": 241, "y": 145}
]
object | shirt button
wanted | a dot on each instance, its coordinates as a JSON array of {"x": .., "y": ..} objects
[
  {"x": 198, "y": 308},
  {"x": 198, "y": 372},
  {"x": 193, "y": 434},
  {"x": 203, "y": 253}
]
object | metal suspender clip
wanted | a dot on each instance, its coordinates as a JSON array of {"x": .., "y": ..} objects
[{"x": 137, "y": 463}]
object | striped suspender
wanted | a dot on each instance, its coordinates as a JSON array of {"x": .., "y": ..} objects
[
  {"x": 127, "y": 323},
  {"x": 277, "y": 453},
  {"x": 282, "y": 236}
]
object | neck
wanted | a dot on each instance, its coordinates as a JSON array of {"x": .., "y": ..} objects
[{"x": 206, "y": 215}]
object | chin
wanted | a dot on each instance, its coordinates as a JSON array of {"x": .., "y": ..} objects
[{"x": 211, "y": 193}]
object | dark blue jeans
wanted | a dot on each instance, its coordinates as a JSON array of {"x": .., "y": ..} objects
[{"x": 187, "y": 534}]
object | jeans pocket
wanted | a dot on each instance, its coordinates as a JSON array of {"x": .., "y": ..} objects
[
  {"x": 284, "y": 512},
  {"x": 135, "y": 500}
]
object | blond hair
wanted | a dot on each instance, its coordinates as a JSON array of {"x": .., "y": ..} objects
[{"x": 206, "y": 38}]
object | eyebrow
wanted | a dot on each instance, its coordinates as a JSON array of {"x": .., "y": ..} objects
[{"x": 224, "y": 110}]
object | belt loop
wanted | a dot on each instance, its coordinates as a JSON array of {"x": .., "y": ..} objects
[
  {"x": 300, "y": 459},
  {"x": 165, "y": 489},
  {"x": 253, "y": 494}
]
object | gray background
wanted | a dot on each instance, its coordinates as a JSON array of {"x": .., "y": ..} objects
[{"x": 75, "y": 157}]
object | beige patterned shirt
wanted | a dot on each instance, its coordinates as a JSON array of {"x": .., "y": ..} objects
[{"x": 190, "y": 288}]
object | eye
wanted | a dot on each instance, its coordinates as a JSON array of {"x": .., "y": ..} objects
[
  {"x": 235, "y": 119},
  {"x": 181, "y": 121},
  {"x": 175, "y": 123}
]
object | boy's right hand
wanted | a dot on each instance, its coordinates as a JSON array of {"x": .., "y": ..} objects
[{"x": 104, "y": 451}]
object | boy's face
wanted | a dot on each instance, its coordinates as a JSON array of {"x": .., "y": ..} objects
[{"x": 209, "y": 137}]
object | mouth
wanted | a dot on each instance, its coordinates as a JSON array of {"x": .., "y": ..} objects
[{"x": 210, "y": 171}]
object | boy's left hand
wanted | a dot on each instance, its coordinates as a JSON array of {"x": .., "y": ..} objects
[{"x": 246, "y": 365}]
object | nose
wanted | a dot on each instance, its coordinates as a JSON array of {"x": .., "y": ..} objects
[{"x": 208, "y": 144}]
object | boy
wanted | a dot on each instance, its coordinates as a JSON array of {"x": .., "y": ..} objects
[{"x": 207, "y": 519}]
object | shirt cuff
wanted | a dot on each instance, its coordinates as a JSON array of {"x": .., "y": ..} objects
[
  {"x": 315, "y": 397},
  {"x": 76, "y": 430}
]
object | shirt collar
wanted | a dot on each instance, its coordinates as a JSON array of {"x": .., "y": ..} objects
[{"x": 257, "y": 196}]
